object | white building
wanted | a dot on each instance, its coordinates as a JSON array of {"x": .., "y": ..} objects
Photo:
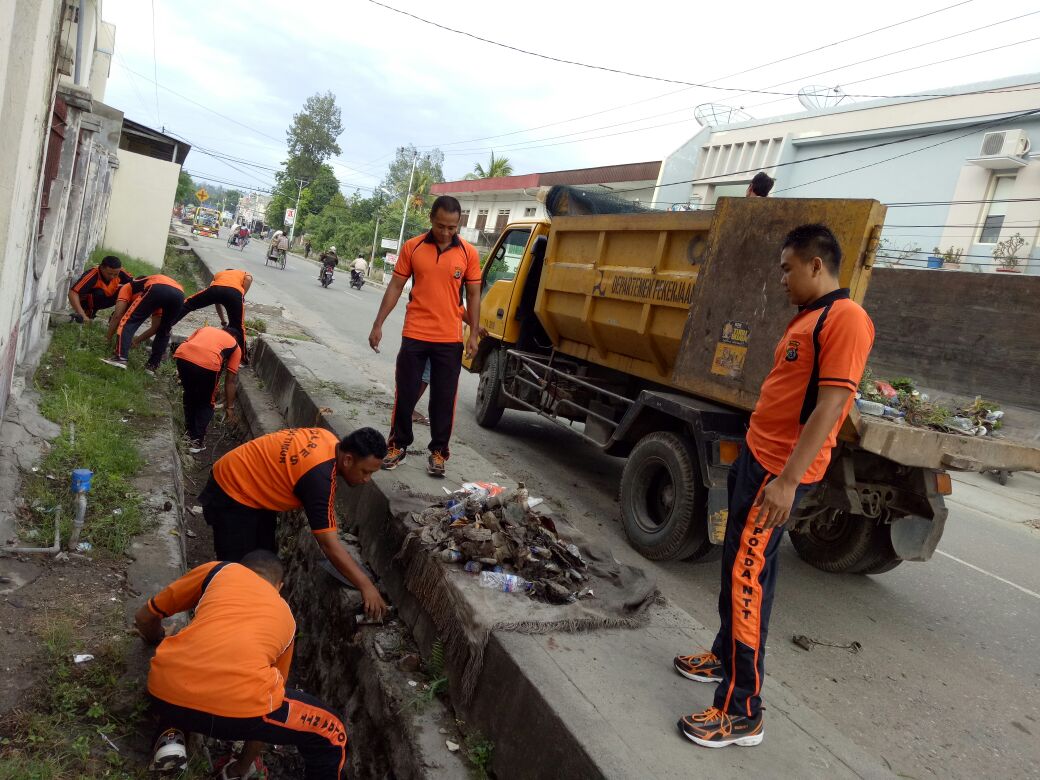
[
  {"x": 252, "y": 210},
  {"x": 488, "y": 205},
  {"x": 958, "y": 158}
]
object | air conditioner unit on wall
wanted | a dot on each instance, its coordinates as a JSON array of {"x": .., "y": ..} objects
[{"x": 1003, "y": 149}]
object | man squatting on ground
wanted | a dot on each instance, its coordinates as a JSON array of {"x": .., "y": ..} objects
[
  {"x": 155, "y": 296},
  {"x": 439, "y": 264},
  {"x": 224, "y": 674},
  {"x": 287, "y": 470},
  {"x": 817, "y": 366},
  {"x": 227, "y": 294},
  {"x": 96, "y": 289},
  {"x": 200, "y": 361}
]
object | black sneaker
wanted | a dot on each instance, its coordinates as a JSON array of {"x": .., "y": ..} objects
[
  {"x": 435, "y": 464},
  {"x": 115, "y": 362},
  {"x": 714, "y": 728},
  {"x": 704, "y": 667},
  {"x": 151, "y": 369},
  {"x": 171, "y": 752},
  {"x": 394, "y": 458}
]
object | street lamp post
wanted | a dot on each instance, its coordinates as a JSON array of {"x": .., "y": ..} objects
[
  {"x": 379, "y": 193},
  {"x": 296, "y": 214},
  {"x": 404, "y": 212}
]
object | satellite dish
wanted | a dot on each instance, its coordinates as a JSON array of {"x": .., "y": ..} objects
[
  {"x": 815, "y": 96},
  {"x": 717, "y": 114}
]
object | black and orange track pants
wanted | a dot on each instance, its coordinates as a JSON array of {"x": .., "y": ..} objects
[
  {"x": 445, "y": 360},
  {"x": 158, "y": 296},
  {"x": 749, "y": 569},
  {"x": 301, "y": 720},
  {"x": 233, "y": 301}
]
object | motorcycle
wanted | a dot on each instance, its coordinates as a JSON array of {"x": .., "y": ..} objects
[
  {"x": 357, "y": 281},
  {"x": 326, "y": 275}
]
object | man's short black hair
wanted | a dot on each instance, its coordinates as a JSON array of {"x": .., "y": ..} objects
[
  {"x": 364, "y": 443},
  {"x": 447, "y": 204},
  {"x": 809, "y": 241},
  {"x": 266, "y": 564},
  {"x": 234, "y": 332},
  {"x": 111, "y": 261},
  {"x": 762, "y": 184}
]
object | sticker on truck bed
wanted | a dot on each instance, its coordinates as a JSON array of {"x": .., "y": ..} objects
[{"x": 731, "y": 350}]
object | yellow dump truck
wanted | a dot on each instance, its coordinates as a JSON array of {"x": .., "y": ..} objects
[{"x": 649, "y": 334}]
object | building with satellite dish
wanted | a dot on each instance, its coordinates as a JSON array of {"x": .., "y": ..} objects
[{"x": 956, "y": 160}]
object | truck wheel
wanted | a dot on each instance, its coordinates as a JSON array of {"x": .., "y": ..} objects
[
  {"x": 881, "y": 557},
  {"x": 834, "y": 541},
  {"x": 662, "y": 499},
  {"x": 489, "y": 406}
]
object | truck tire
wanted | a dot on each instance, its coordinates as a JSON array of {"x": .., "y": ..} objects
[
  {"x": 662, "y": 499},
  {"x": 489, "y": 407},
  {"x": 835, "y": 541},
  {"x": 881, "y": 557}
]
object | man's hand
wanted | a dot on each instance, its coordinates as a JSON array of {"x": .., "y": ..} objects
[
  {"x": 375, "y": 337},
  {"x": 775, "y": 503},
  {"x": 473, "y": 344},
  {"x": 229, "y": 416},
  {"x": 375, "y": 607}
]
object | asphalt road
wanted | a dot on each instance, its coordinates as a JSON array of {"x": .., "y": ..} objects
[{"x": 947, "y": 681}]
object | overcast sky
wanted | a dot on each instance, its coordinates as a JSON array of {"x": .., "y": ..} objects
[{"x": 399, "y": 81}]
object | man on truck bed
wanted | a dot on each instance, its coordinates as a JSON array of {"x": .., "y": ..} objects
[{"x": 817, "y": 367}]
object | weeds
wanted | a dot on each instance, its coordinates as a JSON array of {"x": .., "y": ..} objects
[
  {"x": 176, "y": 264},
  {"x": 256, "y": 325},
  {"x": 478, "y": 752}
]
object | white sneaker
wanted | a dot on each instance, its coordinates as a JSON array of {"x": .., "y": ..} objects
[
  {"x": 171, "y": 752},
  {"x": 115, "y": 362}
]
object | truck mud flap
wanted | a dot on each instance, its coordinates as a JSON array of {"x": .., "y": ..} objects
[{"x": 915, "y": 538}]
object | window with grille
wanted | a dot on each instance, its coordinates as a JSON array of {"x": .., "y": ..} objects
[{"x": 482, "y": 215}]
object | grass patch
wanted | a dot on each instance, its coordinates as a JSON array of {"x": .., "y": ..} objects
[
  {"x": 100, "y": 410},
  {"x": 176, "y": 264},
  {"x": 479, "y": 750},
  {"x": 60, "y": 735},
  {"x": 256, "y": 324}
]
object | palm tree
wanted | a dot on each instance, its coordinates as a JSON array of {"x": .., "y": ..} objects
[
  {"x": 496, "y": 168},
  {"x": 420, "y": 190}
]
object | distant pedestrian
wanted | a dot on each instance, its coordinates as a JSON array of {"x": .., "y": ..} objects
[
  {"x": 760, "y": 186},
  {"x": 97, "y": 288},
  {"x": 139, "y": 299},
  {"x": 439, "y": 263},
  {"x": 307, "y": 246},
  {"x": 817, "y": 366},
  {"x": 200, "y": 361}
]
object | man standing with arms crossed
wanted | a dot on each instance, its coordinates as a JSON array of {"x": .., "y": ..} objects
[
  {"x": 440, "y": 263},
  {"x": 803, "y": 402}
]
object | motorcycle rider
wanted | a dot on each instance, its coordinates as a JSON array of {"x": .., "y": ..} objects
[
  {"x": 328, "y": 259},
  {"x": 359, "y": 267}
]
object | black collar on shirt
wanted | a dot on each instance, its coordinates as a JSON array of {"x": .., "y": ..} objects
[
  {"x": 826, "y": 300},
  {"x": 429, "y": 239}
]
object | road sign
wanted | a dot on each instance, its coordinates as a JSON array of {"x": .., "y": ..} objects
[
  {"x": 389, "y": 243},
  {"x": 290, "y": 216},
  {"x": 202, "y": 195},
  {"x": 389, "y": 259}
]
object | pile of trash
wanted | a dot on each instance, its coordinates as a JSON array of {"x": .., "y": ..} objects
[
  {"x": 900, "y": 401},
  {"x": 496, "y": 535}
]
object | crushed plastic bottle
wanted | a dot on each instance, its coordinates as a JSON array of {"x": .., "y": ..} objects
[
  {"x": 507, "y": 583},
  {"x": 870, "y": 407},
  {"x": 451, "y": 556},
  {"x": 457, "y": 510},
  {"x": 473, "y": 567}
]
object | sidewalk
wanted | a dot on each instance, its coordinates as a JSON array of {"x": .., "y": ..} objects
[{"x": 593, "y": 704}]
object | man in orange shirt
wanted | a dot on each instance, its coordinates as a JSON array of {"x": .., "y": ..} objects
[
  {"x": 200, "y": 361},
  {"x": 803, "y": 402},
  {"x": 291, "y": 469},
  {"x": 439, "y": 264},
  {"x": 96, "y": 289},
  {"x": 224, "y": 675},
  {"x": 141, "y": 298},
  {"x": 227, "y": 293}
]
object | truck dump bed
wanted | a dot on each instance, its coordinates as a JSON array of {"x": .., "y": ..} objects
[{"x": 689, "y": 300}]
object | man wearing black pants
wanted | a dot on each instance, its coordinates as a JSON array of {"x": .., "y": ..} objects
[
  {"x": 138, "y": 300},
  {"x": 200, "y": 361},
  {"x": 227, "y": 294},
  {"x": 439, "y": 264}
]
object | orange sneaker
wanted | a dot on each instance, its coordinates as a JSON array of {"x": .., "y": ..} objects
[
  {"x": 435, "y": 464},
  {"x": 703, "y": 667},
  {"x": 394, "y": 458},
  {"x": 714, "y": 728}
]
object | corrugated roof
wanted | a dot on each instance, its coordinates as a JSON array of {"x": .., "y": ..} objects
[{"x": 604, "y": 174}]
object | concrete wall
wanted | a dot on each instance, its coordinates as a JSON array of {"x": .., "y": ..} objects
[
  {"x": 143, "y": 190},
  {"x": 28, "y": 43},
  {"x": 969, "y": 334}
]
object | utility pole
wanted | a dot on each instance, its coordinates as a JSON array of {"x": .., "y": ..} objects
[
  {"x": 296, "y": 214},
  {"x": 375, "y": 236},
  {"x": 407, "y": 197}
]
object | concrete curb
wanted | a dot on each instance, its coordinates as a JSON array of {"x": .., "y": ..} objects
[{"x": 595, "y": 704}]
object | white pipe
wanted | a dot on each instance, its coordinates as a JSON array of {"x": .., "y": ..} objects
[
  {"x": 77, "y": 523},
  {"x": 57, "y": 541}
]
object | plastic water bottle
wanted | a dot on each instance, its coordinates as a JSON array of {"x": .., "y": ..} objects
[
  {"x": 473, "y": 567},
  {"x": 457, "y": 510},
  {"x": 870, "y": 407},
  {"x": 507, "y": 583}
]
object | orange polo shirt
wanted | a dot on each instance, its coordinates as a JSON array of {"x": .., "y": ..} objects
[
  {"x": 212, "y": 349},
  {"x": 232, "y": 277},
  {"x": 433, "y": 312},
  {"x": 234, "y": 656},
  {"x": 285, "y": 470},
  {"x": 826, "y": 344},
  {"x": 92, "y": 282}
]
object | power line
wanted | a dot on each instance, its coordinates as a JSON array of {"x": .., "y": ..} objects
[
  {"x": 618, "y": 71},
  {"x": 155, "y": 68}
]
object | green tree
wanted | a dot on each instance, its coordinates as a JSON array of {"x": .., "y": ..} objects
[
  {"x": 185, "y": 188},
  {"x": 312, "y": 136},
  {"x": 496, "y": 167},
  {"x": 428, "y": 171},
  {"x": 231, "y": 199}
]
